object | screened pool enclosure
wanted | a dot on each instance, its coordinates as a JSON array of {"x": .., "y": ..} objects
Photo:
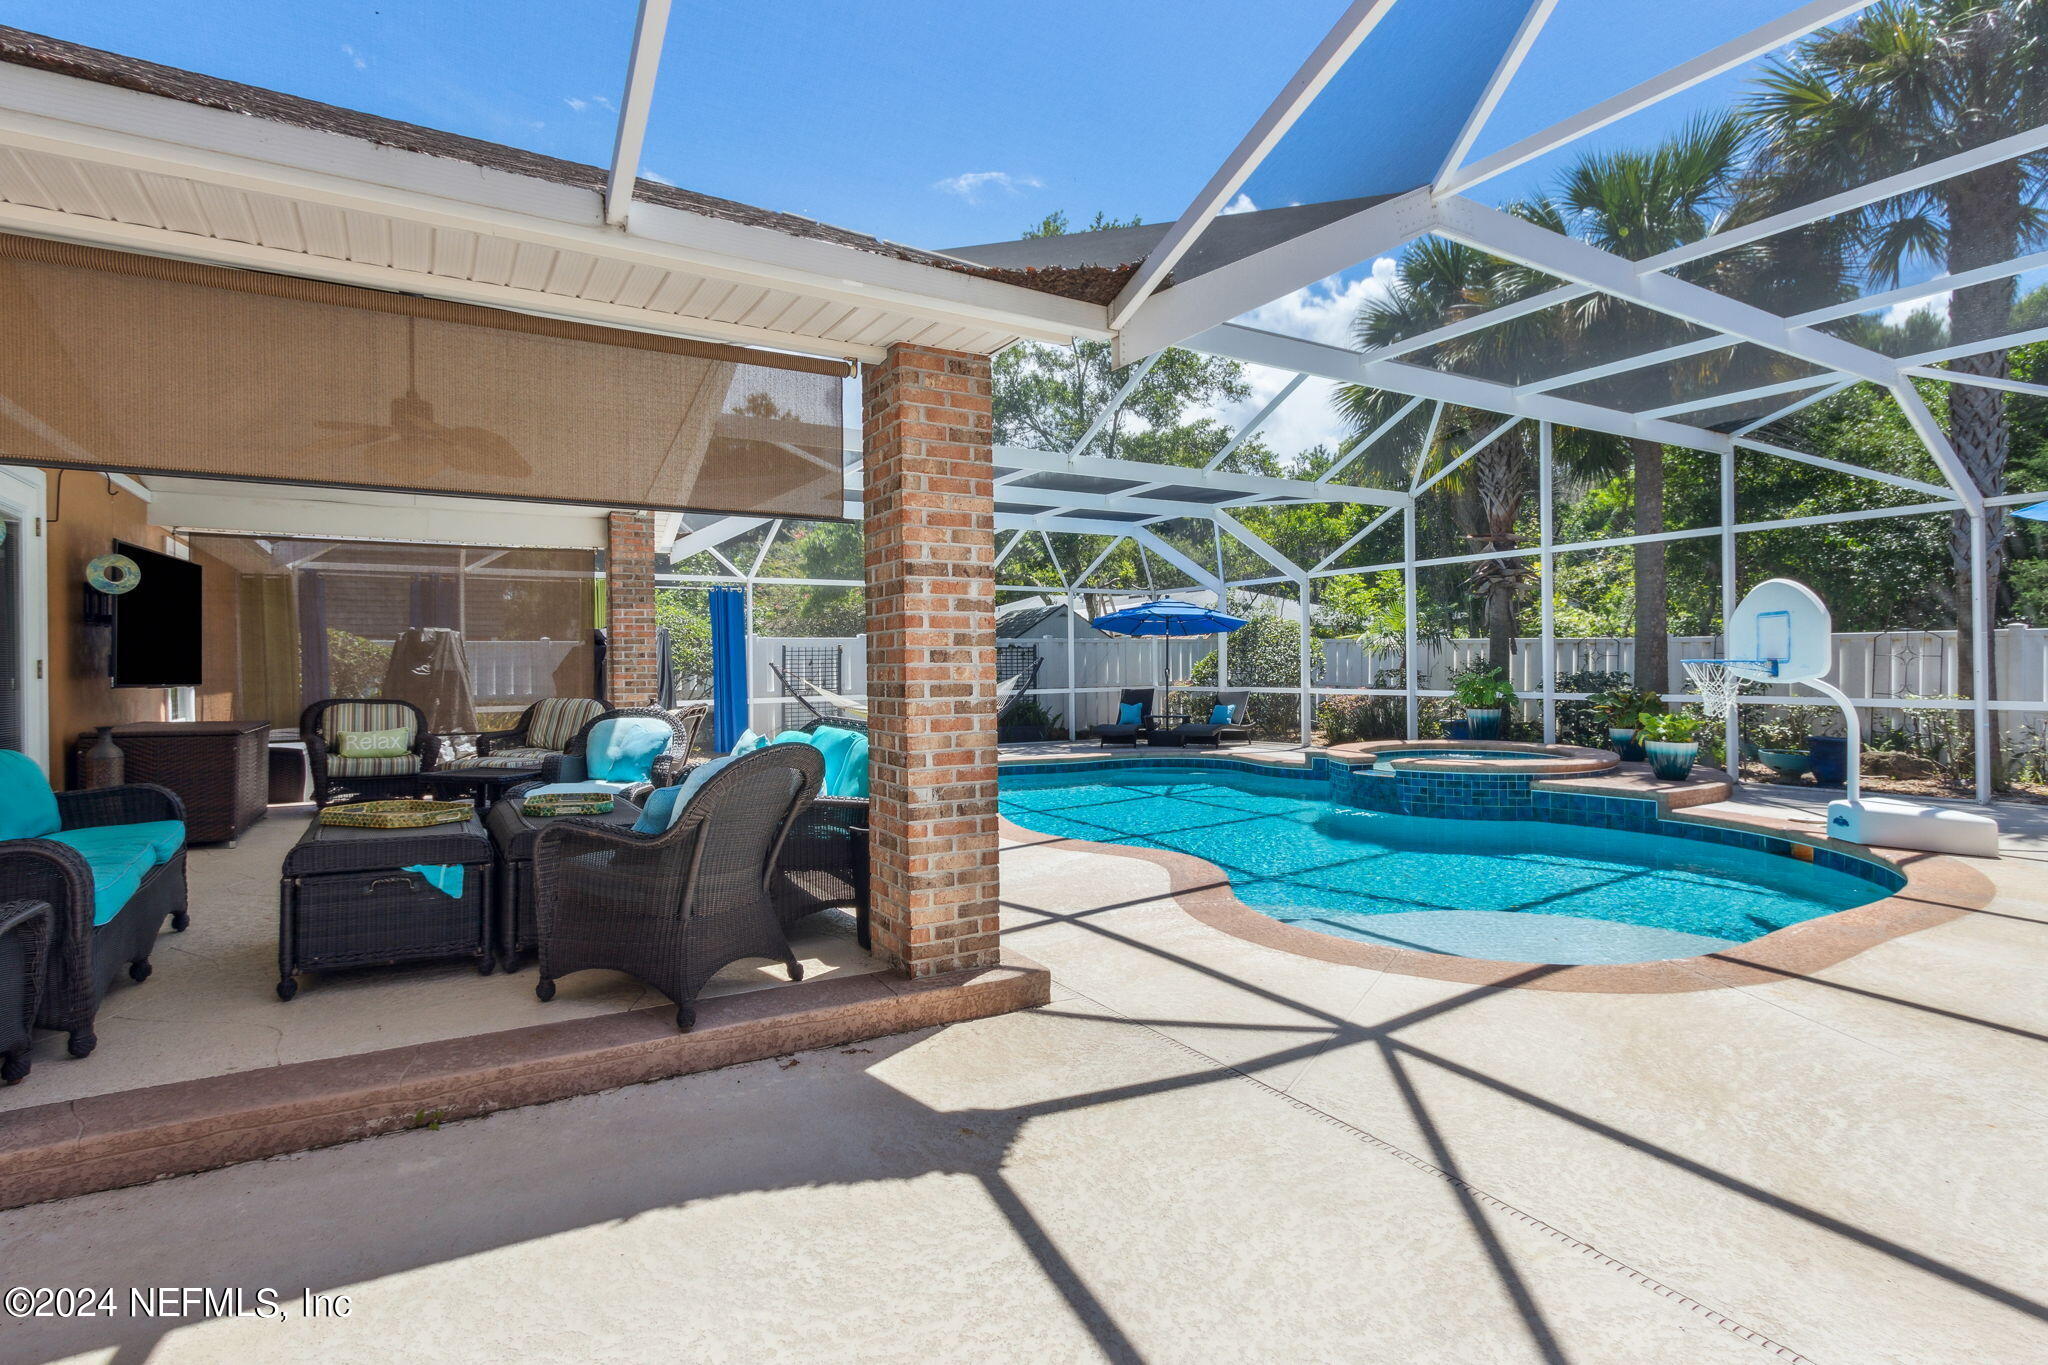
[{"x": 1694, "y": 366}]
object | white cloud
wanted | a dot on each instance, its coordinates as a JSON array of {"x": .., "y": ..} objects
[
  {"x": 1242, "y": 204},
  {"x": 971, "y": 185},
  {"x": 350, "y": 53},
  {"x": 578, "y": 105},
  {"x": 656, "y": 176},
  {"x": 1936, "y": 304},
  {"x": 1320, "y": 312}
]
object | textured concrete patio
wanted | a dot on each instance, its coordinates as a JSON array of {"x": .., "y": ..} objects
[{"x": 1202, "y": 1149}]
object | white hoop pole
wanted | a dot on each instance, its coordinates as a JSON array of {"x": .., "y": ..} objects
[
  {"x": 1731, "y": 727},
  {"x": 1855, "y": 754}
]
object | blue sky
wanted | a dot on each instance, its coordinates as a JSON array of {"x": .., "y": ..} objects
[{"x": 938, "y": 126}]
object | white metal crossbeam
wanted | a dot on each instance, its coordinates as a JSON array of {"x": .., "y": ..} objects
[
  {"x": 1706, "y": 66},
  {"x": 634, "y": 107},
  {"x": 1257, "y": 347},
  {"x": 1289, "y": 105}
]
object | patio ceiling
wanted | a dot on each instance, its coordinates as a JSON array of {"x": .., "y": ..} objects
[{"x": 110, "y": 151}]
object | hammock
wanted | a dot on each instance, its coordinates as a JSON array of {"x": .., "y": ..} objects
[{"x": 821, "y": 702}]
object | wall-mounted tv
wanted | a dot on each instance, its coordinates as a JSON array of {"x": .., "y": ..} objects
[{"x": 156, "y": 623}]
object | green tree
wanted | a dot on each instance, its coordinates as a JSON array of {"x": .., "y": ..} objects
[{"x": 1901, "y": 85}]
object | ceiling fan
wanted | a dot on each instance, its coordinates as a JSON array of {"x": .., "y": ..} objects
[{"x": 414, "y": 440}]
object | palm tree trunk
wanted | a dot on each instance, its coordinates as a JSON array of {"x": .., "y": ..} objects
[
  {"x": 1983, "y": 220},
  {"x": 1653, "y": 611}
]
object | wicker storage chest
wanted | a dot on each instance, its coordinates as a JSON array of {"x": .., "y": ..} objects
[
  {"x": 349, "y": 899},
  {"x": 220, "y": 769}
]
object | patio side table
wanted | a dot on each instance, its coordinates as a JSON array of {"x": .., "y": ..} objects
[
  {"x": 513, "y": 836},
  {"x": 24, "y": 956},
  {"x": 351, "y": 898},
  {"x": 485, "y": 785}
]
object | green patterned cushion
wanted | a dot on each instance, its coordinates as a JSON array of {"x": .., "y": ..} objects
[
  {"x": 557, "y": 720},
  {"x": 337, "y": 766},
  {"x": 374, "y": 743},
  {"x": 358, "y": 716},
  {"x": 505, "y": 758}
]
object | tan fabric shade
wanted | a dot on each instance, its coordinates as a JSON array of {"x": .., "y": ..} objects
[{"x": 131, "y": 363}]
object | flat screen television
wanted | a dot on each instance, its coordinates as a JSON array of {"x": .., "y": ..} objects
[{"x": 156, "y": 623}]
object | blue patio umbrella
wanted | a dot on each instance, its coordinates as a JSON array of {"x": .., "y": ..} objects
[{"x": 1168, "y": 619}]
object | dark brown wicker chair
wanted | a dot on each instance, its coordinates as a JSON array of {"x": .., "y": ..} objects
[
  {"x": 674, "y": 909},
  {"x": 668, "y": 767},
  {"x": 370, "y": 779},
  {"x": 85, "y": 959},
  {"x": 825, "y": 860},
  {"x": 544, "y": 728},
  {"x": 24, "y": 962}
]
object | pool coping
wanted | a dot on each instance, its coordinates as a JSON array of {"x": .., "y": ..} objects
[
  {"x": 1938, "y": 889},
  {"x": 1536, "y": 760}
]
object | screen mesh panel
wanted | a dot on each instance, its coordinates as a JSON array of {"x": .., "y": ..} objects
[
  {"x": 128, "y": 362},
  {"x": 470, "y": 634}
]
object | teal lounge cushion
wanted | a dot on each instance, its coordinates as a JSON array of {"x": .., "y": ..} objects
[
  {"x": 846, "y": 761},
  {"x": 693, "y": 784},
  {"x": 748, "y": 742},
  {"x": 1131, "y": 713},
  {"x": 1222, "y": 713},
  {"x": 27, "y": 808},
  {"x": 120, "y": 856},
  {"x": 623, "y": 748}
]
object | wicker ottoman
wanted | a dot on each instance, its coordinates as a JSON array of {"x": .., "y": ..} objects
[
  {"x": 348, "y": 899},
  {"x": 513, "y": 836},
  {"x": 24, "y": 952}
]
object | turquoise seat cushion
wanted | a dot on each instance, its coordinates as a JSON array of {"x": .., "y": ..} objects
[
  {"x": 120, "y": 856},
  {"x": 655, "y": 814},
  {"x": 623, "y": 748},
  {"x": 27, "y": 809},
  {"x": 846, "y": 761},
  {"x": 747, "y": 743},
  {"x": 688, "y": 788}
]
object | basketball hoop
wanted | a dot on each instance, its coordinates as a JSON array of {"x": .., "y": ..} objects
[{"x": 1718, "y": 683}]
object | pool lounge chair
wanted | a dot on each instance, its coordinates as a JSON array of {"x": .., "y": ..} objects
[
  {"x": 1218, "y": 733},
  {"x": 1122, "y": 732}
]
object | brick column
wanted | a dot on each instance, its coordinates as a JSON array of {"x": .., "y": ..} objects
[
  {"x": 632, "y": 669},
  {"x": 930, "y": 523}
]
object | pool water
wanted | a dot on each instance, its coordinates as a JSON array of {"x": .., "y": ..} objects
[{"x": 1511, "y": 890}]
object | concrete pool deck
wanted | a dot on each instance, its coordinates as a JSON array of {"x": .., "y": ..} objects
[{"x": 1201, "y": 1149}]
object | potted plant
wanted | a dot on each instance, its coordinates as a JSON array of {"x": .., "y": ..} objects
[
  {"x": 1781, "y": 743},
  {"x": 1028, "y": 723},
  {"x": 1671, "y": 743},
  {"x": 1623, "y": 710},
  {"x": 1483, "y": 693}
]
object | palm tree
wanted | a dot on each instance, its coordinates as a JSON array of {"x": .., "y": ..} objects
[
  {"x": 1440, "y": 281},
  {"x": 1637, "y": 204},
  {"x": 1900, "y": 86}
]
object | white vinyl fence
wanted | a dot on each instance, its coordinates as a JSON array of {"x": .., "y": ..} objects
[{"x": 1871, "y": 666}]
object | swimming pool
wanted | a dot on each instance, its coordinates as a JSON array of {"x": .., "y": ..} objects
[{"x": 1507, "y": 890}]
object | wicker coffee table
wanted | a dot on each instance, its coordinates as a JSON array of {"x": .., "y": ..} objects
[
  {"x": 347, "y": 899},
  {"x": 485, "y": 784}
]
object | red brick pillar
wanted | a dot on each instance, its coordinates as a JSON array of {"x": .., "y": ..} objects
[
  {"x": 930, "y": 522},
  {"x": 632, "y": 668}
]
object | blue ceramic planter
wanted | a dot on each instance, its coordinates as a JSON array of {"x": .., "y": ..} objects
[
  {"x": 1671, "y": 759},
  {"x": 1483, "y": 723}
]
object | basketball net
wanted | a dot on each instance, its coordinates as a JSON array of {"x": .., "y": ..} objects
[{"x": 1716, "y": 683}]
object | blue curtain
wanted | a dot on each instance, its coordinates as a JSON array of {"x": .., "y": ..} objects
[{"x": 728, "y": 667}]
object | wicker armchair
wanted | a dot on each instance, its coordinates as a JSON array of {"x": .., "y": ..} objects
[
  {"x": 824, "y": 863},
  {"x": 324, "y": 722},
  {"x": 85, "y": 959},
  {"x": 24, "y": 962},
  {"x": 675, "y": 908},
  {"x": 668, "y": 766},
  {"x": 544, "y": 730}
]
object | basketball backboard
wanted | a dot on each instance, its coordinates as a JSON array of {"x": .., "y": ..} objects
[{"x": 1781, "y": 633}]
